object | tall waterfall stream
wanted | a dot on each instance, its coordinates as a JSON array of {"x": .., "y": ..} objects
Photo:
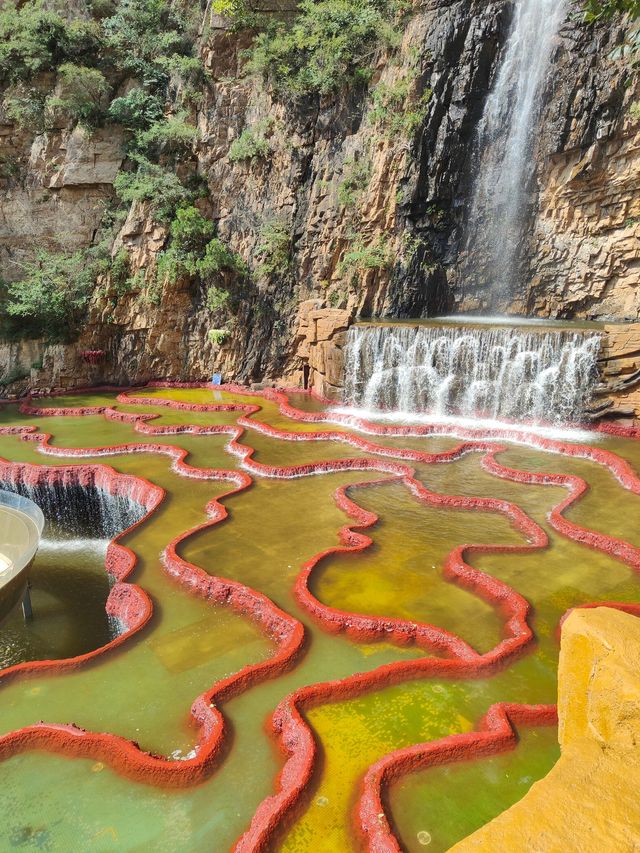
[
  {"x": 516, "y": 374},
  {"x": 504, "y": 143}
]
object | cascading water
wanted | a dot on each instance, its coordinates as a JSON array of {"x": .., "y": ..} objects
[
  {"x": 500, "y": 373},
  {"x": 79, "y": 520},
  {"x": 504, "y": 145},
  {"x": 73, "y": 509},
  {"x": 494, "y": 372}
]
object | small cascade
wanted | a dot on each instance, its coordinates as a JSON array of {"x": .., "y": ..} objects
[
  {"x": 74, "y": 510},
  {"x": 504, "y": 143},
  {"x": 499, "y": 373},
  {"x": 80, "y": 520}
]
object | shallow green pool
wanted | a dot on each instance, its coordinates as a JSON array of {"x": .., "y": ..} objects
[{"x": 143, "y": 691}]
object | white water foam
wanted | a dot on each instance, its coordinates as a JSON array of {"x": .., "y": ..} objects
[
  {"x": 457, "y": 426},
  {"x": 498, "y": 374}
]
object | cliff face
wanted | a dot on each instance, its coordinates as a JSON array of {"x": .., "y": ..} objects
[
  {"x": 584, "y": 251},
  {"x": 371, "y": 203},
  {"x": 585, "y": 258}
]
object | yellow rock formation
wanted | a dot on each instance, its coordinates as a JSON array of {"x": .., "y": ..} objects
[{"x": 590, "y": 801}]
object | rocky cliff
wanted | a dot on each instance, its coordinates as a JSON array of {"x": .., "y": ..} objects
[{"x": 361, "y": 193}]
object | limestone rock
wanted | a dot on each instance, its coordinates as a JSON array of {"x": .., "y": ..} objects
[
  {"x": 90, "y": 158},
  {"x": 620, "y": 365},
  {"x": 588, "y": 231}
]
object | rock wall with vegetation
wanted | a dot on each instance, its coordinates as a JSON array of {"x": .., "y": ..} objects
[{"x": 187, "y": 188}]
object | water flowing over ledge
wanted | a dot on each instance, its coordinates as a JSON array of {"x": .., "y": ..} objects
[
  {"x": 72, "y": 508},
  {"x": 512, "y": 374}
]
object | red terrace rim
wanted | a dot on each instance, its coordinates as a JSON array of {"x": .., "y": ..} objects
[
  {"x": 496, "y": 730},
  {"x": 128, "y": 602}
]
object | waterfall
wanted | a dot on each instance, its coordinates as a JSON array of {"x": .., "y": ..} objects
[
  {"x": 74, "y": 510},
  {"x": 79, "y": 520},
  {"x": 504, "y": 147},
  {"x": 500, "y": 373}
]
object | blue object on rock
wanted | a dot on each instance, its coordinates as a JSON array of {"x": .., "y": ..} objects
[{"x": 216, "y": 379}]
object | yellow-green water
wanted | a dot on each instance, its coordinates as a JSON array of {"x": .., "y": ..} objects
[{"x": 144, "y": 690}]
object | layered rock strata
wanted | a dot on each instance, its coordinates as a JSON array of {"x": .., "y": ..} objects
[{"x": 388, "y": 249}]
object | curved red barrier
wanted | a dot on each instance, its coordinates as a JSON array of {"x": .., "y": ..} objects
[
  {"x": 455, "y": 658},
  {"x": 496, "y": 733},
  {"x": 127, "y": 602}
]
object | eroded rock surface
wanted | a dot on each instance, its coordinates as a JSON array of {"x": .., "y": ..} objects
[
  {"x": 589, "y": 800},
  {"x": 407, "y": 207}
]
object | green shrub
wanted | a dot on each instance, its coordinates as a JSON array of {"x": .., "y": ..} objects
[
  {"x": 329, "y": 44},
  {"x": 137, "y": 282},
  {"x": 596, "y": 10},
  {"x": 397, "y": 110},
  {"x": 252, "y": 142},
  {"x": 170, "y": 266},
  {"x": 137, "y": 110},
  {"x": 150, "y": 40},
  {"x": 218, "y": 336},
  {"x": 337, "y": 298},
  {"x": 82, "y": 40},
  {"x": 190, "y": 231},
  {"x": 175, "y": 135},
  {"x": 25, "y": 106},
  {"x": 361, "y": 257},
  {"x": 32, "y": 39},
  {"x": 194, "y": 250},
  {"x": 120, "y": 269},
  {"x": 53, "y": 293},
  {"x": 411, "y": 245},
  {"x": 217, "y": 298},
  {"x": 218, "y": 257},
  {"x": 102, "y": 8},
  {"x": 143, "y": 33},
  {"x": 10, "y": 166},
  {"x": 150, "y": 288},
  {"x": 356, "y": 177},
  {"x": 274, "y": 249},
  {"x": 152, "y": 183},
  {"x": 606, "y": 9},
  {"x": 82, "y": 94},
  {"x": 239, "y": 12},
  {"x": 186, "y": 68}
]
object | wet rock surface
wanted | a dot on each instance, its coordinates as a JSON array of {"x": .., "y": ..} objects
[{"x": 409, "y": 208}]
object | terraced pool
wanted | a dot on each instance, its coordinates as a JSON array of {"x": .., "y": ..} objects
[{"x": 312, "y": 634}]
